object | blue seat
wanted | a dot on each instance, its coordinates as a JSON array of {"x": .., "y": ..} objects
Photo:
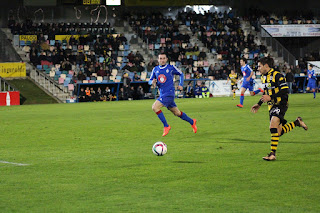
[
  {"x": 104, "y": 81},
  {"x": 126, "y": 47},
  {"x": 98, "y": 81},
  {"x": 39, "y": 67},
  {"x": 22, "y": 43},
  {"x": 52, "y": 42},
  {"x": 67, "y": 80},
  {"x": 195, "y": 58}
]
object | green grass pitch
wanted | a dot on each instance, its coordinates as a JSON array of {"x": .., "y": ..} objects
[{"x": 97, "y": 157}]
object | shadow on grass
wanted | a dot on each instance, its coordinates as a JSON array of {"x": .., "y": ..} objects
[
  {"x": 183, "y": 161},
  {"x": 240, "y": 140}
]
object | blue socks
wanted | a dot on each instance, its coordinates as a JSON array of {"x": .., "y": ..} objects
[
  {"x": 162, "y": 118},
  {"x": 314, "y": 94},
  {"x": 256, "y": 92},
  {"x": 185, "y": 117},
  {"x": 241, "y": 99}
]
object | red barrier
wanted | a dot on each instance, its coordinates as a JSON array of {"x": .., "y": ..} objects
[{"x": 9, "y": 98}]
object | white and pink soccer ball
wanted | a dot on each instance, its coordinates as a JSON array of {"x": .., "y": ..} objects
[{"x": 159, "y": 148}]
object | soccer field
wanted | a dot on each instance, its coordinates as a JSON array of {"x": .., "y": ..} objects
[{"x": 97, "y": 157}]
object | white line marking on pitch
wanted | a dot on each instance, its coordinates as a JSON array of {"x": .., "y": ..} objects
[{"x": 17, "y": 164}]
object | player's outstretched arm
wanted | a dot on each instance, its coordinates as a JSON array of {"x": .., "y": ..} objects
[{"x": 255, "y": 108}]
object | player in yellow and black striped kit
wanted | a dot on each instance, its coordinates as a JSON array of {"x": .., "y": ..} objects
[
  {"x": 275, "y": 94},
  {"x": 233, "y": 77}
]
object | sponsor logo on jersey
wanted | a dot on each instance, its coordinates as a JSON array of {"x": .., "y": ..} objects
[{"x": 162, "y": 78}]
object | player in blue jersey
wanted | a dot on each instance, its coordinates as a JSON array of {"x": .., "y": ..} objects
[
  {"x": 247, "y": 81},
  {"x": 312, "y": 80},
  {"x": 163, "y": 76}
]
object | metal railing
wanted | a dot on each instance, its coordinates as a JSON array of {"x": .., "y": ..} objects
[
  {"x": 5, "y": 86},
  {"x": 49, "y": 84},
  {"x": 277, "y": 47}
]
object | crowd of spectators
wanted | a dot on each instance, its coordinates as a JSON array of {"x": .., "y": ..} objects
[
  {"x": 258, "y": 16},
  {"x": 90, "y": 50},
  {"x": 162, "y": 34},
  {"x": 221, "y": 33}
]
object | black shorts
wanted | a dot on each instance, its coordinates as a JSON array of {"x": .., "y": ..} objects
[
  {"x": 234, "y": 87},
  {"x": 279, "y": 111}
]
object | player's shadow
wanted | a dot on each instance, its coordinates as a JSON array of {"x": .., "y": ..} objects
[
  {"x": 184, "y": 161},
  {"x": 240, "y": 140}
]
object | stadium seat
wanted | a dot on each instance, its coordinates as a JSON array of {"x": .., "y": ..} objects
[
  {"x": 143, "y": 76},
  {"x": 52, "y": 73},
  {"x": 92, "y": 81},
  {"x": 39, "y": 67},
  {"x": 22, "y": 43},
  {"x": 85, "y": 81},
  {"x": 63, "y": 76},
  {"x": 99, "y": 78},
  {"x": 94, "y": 74},
  {"x": 61, "y": 80},
  {"x": 71, "y": 87}
]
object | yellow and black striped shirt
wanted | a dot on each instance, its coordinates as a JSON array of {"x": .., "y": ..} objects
[
  {"x": 233, "y": 78},
  {"x": 276, "y": 87}
]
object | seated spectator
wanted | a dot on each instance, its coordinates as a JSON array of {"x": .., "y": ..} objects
[
  {"x": 132, "y": 94},
  {"x": 107, "y": 95},
  {"x": 151, "y": 65},
  {"x": 99, "y": 95},
  {"x": 140, "y": 92},
  {"x": 81, "y": 76},
  {"x": 136, "y": 77},
  {"x": 88, "y": 94},
  {"x": 82, "y": 95},
  {"x": 122, "y": 95},
  {"x": 205, "y": 91}
]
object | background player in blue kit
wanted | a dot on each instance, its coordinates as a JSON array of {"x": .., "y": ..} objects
[
  {"x": 312, "y": 80},
  {"x": 163, "y": 76},
  {"x": 247, "y": 81}
]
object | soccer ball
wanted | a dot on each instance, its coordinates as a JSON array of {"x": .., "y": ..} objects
[{"x": 159, "y": 148}]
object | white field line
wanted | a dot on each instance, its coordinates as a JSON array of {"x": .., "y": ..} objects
[{"x": 17, "y": 164}]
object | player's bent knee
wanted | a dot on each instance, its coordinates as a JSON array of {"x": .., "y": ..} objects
[{"x": 155, "y": 108}]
